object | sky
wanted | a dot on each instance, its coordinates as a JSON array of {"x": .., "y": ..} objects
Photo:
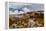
[{"x": 26, "y": 7}]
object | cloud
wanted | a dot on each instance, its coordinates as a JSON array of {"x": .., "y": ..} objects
[
  {"x": 26, "y": 10},
  {"x": 16, "y": 12},
  {"x": 10, "y": 12},
  {"x": 21, "y": 12}
]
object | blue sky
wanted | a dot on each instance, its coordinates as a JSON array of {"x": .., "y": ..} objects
[
  {"x": 26, "y": 6},
  {"x": 29, "y": 6}
]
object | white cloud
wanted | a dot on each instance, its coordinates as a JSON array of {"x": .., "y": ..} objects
[
  {"x": 11, "y": 12},
  {"x": 26, "y": 10},
  {"x": 21, "y": 12},
  {"x": 16, "y": 11}
]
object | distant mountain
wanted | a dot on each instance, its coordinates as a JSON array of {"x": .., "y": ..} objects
[
  {"x": 23, "y": 10},
  {"x": 11, "y": 9}
]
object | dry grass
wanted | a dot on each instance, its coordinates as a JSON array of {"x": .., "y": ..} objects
[{"x": 23, "y": 22}]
